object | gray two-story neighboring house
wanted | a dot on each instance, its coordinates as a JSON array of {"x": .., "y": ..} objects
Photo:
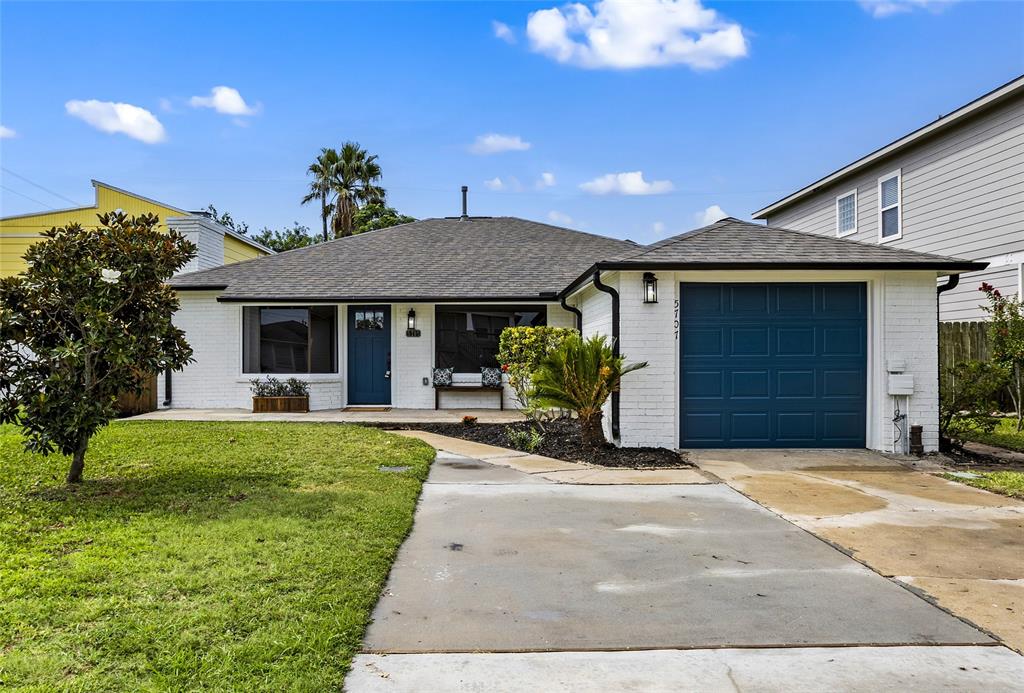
[{"x": 953, "y": 187}]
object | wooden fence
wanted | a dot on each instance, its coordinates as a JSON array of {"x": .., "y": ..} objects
[
  {"x": 130, "y": 404},
  {"x": 967, "y": 341},
  {"x": 962, "y": 341}
]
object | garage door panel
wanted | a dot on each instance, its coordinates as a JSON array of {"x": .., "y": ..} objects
[
  {"x": 704, "y": 341},
  {"x": 748, "y": 298},
  {"x": 703, "y": 384},
  {"x": 749, "y": 428},
  {"x": 750, "y": 384},
  {"x": 792, "y": 372},
  {"x": 703, "y": 299},
  {"x": 795, "y": 341},
  {"x": 795, "y": 383},
  {"x": 748, "y": 341},
  {"x": 796, "y": 426},
  {"x": 706, "y": 428}
]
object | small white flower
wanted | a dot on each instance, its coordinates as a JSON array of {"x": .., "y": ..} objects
[{"x": 110, "y": 276}]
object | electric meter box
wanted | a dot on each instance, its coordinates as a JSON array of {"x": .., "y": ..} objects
[{"x": 901, "y": 384}]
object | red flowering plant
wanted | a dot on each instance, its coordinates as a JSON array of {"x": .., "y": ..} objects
[{"x": 1006, "y": 341}]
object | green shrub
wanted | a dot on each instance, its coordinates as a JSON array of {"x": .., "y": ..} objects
[
  {"x": 580, "y": 375},
  {"x": 1006, "y": 338},
  {"x": 525, "y": 439},
  {"x": 520, "y": 351},
  {"x": 969, "y": 398},
  {"x": 272, "y": 387}
]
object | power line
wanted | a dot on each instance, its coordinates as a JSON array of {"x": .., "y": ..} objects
[
  {"x": 38, "y": 202},
  {"x": 44, "y": 189}
]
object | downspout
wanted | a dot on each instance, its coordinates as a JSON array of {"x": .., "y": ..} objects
[
  {"x": 575, "y": 311},
  {"x": 615, "y": 343},
  {"x": 167, "y": 388},
  {"x": 951, "y": 283}
]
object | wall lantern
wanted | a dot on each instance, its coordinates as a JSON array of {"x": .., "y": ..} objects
[
  {"x": 410, "y": 330},
  {"x": 650, "y": 288}
]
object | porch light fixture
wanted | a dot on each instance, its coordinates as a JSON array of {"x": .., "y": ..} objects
[
  {"x": 410, "y": 330},
  {"x": 650, "y": 288}
]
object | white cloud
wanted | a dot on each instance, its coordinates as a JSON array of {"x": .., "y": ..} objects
[
  {"x": 503, "y": 31},
  {"x": 225, "y": 100},
  {"x": 494, "y": 143},
  {"x": 510, "y": 183},
  {"x": 626, "y": 34},
  {"x": 710, "y": 215},
  {"x": 166, "y": 106},
  {"x": 629, "y": 183},
  {"x": 6, "y": 133},
  {"x": 658, "y": 228},
  {"x": 124, "y": 118},
  {"x": 879, "y": 9},
  {"x": 560, "y": 218},
  {"x": 546, "y": 180}
]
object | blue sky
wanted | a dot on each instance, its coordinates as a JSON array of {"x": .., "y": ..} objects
[{"x": 727, "y": 104}]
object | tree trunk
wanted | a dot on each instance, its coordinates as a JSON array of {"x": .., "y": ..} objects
[
  {"x": 78, "y": 462},
  {"x": 323, "y": 214},
  {"x": 591, "y": 430}
]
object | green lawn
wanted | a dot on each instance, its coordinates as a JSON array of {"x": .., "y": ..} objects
[
  {"x": 242, "y": 556},
  {"x": 1005, "y": 435},
  {"x": 1006, "y": 483}
]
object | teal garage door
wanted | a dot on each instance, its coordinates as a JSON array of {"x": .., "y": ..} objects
[{"x": 773, "y": 365}]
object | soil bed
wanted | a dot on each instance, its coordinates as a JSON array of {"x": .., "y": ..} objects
[{"x": 561, "y": 441}]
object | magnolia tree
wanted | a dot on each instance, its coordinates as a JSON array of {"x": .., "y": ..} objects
[
  {"x": 89, "y": 319},
  {"x": 1006, "y": 341}
]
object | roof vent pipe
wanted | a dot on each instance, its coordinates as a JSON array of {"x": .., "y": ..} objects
[{"x": 465, "y": 204}]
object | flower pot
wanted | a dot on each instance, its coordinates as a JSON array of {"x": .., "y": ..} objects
[{"x": 280, "y": 404}]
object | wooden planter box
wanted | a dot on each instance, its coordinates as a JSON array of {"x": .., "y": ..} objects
[{"x": 280, "y": 404}]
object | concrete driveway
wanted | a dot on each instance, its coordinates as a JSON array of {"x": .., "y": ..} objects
[
  {"x": 959, "y": 546},
  {"x": 645, "y": 587}
]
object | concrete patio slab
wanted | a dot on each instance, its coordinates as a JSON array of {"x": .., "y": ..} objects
[
  {"x": 802, "y": 670},
  {"x": 509, "y": 567},
  {"x": 960, "y": 546}
]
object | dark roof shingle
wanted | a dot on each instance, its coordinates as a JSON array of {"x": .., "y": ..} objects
[{"x": 482, "y": 257}]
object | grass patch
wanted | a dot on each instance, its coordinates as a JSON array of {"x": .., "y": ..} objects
[
  {"x": 240, "y": 556},
  {"x": 1006, "y": 483},
  {"x": 1005, "y": 436}
]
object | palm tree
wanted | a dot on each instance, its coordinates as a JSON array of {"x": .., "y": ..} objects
[
  {"x": 321, "y": 187},
  {"x": 354, "y": 184}
]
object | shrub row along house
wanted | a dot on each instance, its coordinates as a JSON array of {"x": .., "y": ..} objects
[{"x": 756, "y": 336}]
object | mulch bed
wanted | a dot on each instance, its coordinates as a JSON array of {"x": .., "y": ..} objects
[
  {"x": 962, "y": 459},
  {"x": 561, "y": 441}
]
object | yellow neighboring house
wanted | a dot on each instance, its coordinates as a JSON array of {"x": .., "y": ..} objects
[{"x": 218, "y": 245}]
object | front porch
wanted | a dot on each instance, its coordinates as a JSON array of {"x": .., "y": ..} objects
[{"x": 354, "y": 415}]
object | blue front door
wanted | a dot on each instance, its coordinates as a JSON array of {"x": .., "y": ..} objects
[
  {"x": 369, "y": 354},
  {"x": 772, "y": 365}
]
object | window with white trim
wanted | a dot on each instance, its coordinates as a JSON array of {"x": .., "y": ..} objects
[
  {"x": 846, "y": 214},
  {"x": 890, "y": 225}
]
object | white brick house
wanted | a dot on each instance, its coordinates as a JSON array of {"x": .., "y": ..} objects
[{"x": 754, "y": 336}]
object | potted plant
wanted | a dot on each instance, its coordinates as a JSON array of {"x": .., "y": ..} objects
[{"x": 273, "y": 395}]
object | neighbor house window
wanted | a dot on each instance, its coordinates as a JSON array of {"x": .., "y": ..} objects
[
  {"x": 846, "y": 213},
  {"x": 890, "y": 200},
  {"x": 467, "y": 336},
  {"x": 289, "y": 339}
]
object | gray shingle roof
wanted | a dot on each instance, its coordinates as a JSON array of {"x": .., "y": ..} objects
[
  {"x": 482, "y": 258},
  {"x": 734, "y": 242},
  {"x": 505, "y": 258}
]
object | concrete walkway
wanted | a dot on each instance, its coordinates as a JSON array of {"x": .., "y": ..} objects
[
  {"x": 514, "y": 581},
  {"x": 960, "y": 546}
]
